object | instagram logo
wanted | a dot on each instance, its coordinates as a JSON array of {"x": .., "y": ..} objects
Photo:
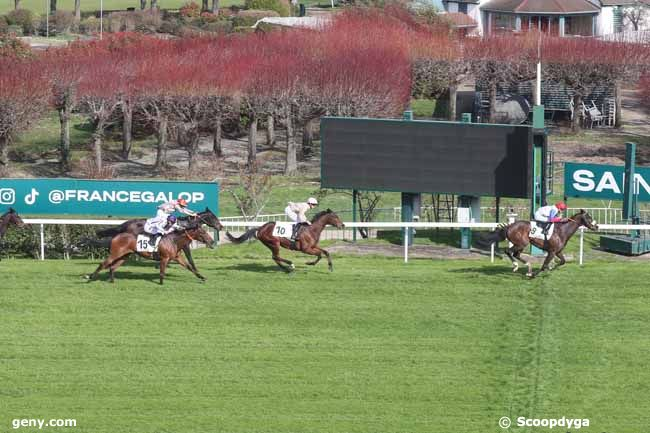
[{"x": 7, "y": 196}]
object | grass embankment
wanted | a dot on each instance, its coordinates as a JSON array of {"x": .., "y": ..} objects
[{"x": 432, "y": 346}]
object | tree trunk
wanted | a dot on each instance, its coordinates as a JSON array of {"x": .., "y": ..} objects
[
  {"x": 619, "y": 105},
  {"x": 4, "y": 150},
  {"x": 77, "y": 11},
  {"x": 453, "y": 90},
  {"x": 154, "y": 4},
  {"x": 493, "y": 102},
  {"x": 52, "y": 7},
  {"x": 127, "y": 126},
  {"x": 577, "y": 113},
  {"x": 270, "y": 131},
  {"x": 192, "y": 149},
  {"x": 161, "y": 147},
  {"x": 204, "y": 6},
  {"x": 143, "y": 4},
  {"x": 97, "y": 149},
  {"x": 216, "y": 139},
  {"x": 291, "y": 163},
  {"x": 308, "y": 139},
  {"x": 64, "y": 119},
  {"x": 252, "y": 141},
  {"x": 215, "y": 7},
  {"x": 16, "y": 4}
]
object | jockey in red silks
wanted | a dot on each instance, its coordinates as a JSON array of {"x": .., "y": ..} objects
[{"x": 547, "y": 215}]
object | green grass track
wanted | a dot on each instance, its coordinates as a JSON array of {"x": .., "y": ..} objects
[{"x": 375, "y": 346}]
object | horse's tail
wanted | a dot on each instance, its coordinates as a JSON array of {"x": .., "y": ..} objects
[
  {"x": 498, "y": 235},
  {"x": 110, "y": 232},
  {"x": 252, "y": 233},
  {"x": 97, "y": 243}
]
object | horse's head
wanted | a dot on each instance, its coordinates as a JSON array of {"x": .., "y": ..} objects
[
  {"x": 13, "y": 218},
  {"x": 198, "y": 233},
  {"x": 329, "y": 218},
  {"x": 584, "y": 219},
  {"x": 208, "y": 218}
]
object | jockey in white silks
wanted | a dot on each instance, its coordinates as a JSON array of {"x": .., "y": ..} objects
[
  {"x": 546, "y": 215},
  {"x": 157, "y": 224},
  {"x": 296, "y": 213}
]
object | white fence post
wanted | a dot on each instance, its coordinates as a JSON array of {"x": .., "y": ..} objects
[
  {"x": 406, "y": 246},
  {"x": 492, "y": 252},
  {"x": 42, "y": 241},
  {"x": 582, "y": 244}
]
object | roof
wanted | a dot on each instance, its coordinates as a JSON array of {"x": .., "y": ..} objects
[
  {"x": 316, "y": 22},
  {"x": 459, "y": 20},
  {"x": 544, "y": 7},
  {"x": 623, "y": 2}
]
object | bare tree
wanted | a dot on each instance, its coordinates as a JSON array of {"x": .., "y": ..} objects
[{"x": 636, "y": 13}]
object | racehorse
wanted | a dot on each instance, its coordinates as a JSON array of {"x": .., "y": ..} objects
[
  {"x": 517, "y": 233},
  {"x": 306, "y": 240},
  {"x": 8, "y": 218},
  {"x": 169, "y": 248},
  {"x": 136, "y": 227}
]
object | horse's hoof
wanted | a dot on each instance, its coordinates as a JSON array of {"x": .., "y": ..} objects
[{"x": 529, "y": 275}]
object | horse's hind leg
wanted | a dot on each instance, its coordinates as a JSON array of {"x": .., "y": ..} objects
[
  {"x": 528, "y": 264},
  {"x": 104, "y": 265},
  {"x": 275, "y": 253},
  {"x": 116, "y": 264},
  {"x": 513, "y": 254}
]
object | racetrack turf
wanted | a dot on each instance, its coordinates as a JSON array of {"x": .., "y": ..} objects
[{"x": 376, "y": 346}]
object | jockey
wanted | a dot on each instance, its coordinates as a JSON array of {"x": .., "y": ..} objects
[
  {"x": 157, "y": 224},
  {"x": 296, "y": 213},
  {"x": 547, "y": 215}
]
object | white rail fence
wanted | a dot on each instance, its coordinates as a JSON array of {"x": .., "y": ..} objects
[{"x": 349, "y": 225}]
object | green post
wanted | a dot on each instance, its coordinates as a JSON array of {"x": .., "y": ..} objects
[
  {"x": 354, "y": 214},
  {"x": 630, "y": 202},
  {"x": 539, "y": 177}
]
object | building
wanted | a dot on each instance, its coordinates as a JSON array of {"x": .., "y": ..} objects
[{"x": 556, "y": 17}]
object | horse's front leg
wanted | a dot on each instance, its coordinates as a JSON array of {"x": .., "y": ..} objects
[
  {"x": 190, "y": 260},
  {"x": 181, "y": 261},
  {"x": 549, "y": 258}
]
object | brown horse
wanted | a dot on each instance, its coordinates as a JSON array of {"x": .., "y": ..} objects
[
  {"x": 169, "y": 248},
  {"x": 306, "y": 241},
  {"x": 136, "y": 227},
  {"x": 8, "y": 218},
  {"x": 517, "y": 233}
]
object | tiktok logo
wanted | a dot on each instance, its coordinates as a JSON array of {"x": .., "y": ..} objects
[{"x": 30, "y": 198}]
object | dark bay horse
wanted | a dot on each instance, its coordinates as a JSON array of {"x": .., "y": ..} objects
[
  {"x": 306, "y": 241},
  {"x": 8, "y": 218},
  {"x": 169, "y": 249},
  {"x": 136, "y": 227},
  {"x": 517, "y": 233}
]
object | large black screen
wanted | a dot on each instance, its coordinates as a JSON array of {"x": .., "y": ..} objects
[{"x": 422, "y": 156}]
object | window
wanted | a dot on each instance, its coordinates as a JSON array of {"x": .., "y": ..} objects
[{"x": 462, "y": 7}]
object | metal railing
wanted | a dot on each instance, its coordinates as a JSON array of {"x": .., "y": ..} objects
[{"x": 348, "y": 225}]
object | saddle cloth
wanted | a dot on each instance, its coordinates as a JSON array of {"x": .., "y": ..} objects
[
  {"x": 144, "y": 244},
  {"x": 283, "y": 229},
  {"x": 537, "y": 231}
]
